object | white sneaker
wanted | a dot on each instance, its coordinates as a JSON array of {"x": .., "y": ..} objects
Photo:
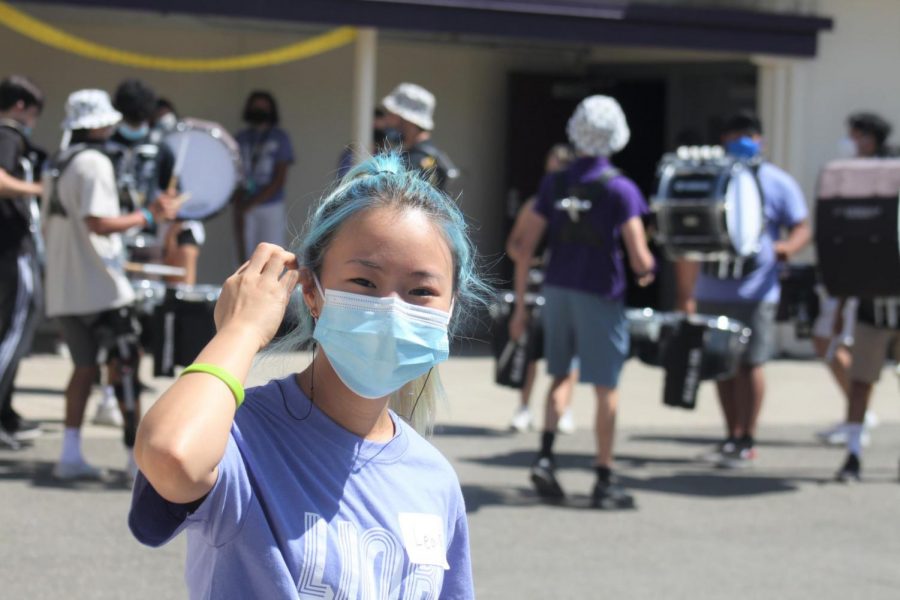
[
  {"x": 521, "y": 420},
  {"x": 871, "y": 421},
  {"x": 69, "y": 471},
  {"x": 566, "y": 423},
  {"x": 108, "y": 412},
  {"x": 837, "y": 436}
]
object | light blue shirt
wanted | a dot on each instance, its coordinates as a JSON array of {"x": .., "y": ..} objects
[
  {"x": 785, "y": 207},
  {"x": 302, "y": 508}
]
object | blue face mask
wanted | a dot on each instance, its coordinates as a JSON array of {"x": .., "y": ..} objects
[
  {"x": 743, "y": 147},
  {"x": 134, "y": 135},
  {"x": 26, "y": 131},
  {"x": 376, "y": 345}
]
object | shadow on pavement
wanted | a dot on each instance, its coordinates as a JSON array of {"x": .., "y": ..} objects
[
  {"x": 40, "y": 474},
  {"x": 469, "y": 430},
  {"x": 699, "y": 440},
  {"x": 39, "y": 391}
]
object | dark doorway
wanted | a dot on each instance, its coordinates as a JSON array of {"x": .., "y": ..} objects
[{"x": 666, "y": 105}]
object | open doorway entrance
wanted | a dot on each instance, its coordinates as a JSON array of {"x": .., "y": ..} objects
[{"x": 667, "y": 105}]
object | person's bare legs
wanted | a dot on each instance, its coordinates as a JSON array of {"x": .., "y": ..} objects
[
  {"x": 750, "y": 388},
  {"x": 605, "y": 424},
  {"x": 77, "y": 393},
  {"x": 557, "y": 399},
  {"x": 839, "y": 366},
  {"x": 728, "y": 401}
]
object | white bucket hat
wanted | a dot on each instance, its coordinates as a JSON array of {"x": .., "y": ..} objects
[
  {"x": 413, "y": 103},
  {"x": 598, "y": 127},
  {"x": 90, "y": 109}
]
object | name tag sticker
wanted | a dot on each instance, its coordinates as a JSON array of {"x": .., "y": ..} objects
[{"x": 423, "y": 536}]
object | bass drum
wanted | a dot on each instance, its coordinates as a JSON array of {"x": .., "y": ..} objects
[
  {"x": 207, "y": 164},
  {"x": 708, "y": 206}
]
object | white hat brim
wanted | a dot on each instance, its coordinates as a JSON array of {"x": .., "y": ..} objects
[{"x": 415, "y": 118}]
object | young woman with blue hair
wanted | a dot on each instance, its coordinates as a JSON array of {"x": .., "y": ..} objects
[{"x": 316, "y": 485}]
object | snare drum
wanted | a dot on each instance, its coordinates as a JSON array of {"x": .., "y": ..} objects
[
  {"x": 207, "y": 164},
  {"x": 182, "y": 325},
  {"x": 708, "y": 206},
  {"x": 661, "y": 339}
]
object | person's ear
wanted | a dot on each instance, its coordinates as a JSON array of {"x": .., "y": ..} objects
[{"x": 311, "y": 296}]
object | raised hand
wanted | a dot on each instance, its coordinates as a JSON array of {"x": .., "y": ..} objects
[{"x": 255, "y": 298}]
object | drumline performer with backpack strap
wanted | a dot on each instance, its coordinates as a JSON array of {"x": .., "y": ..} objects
[
  {"x": 586, "y": 210},
  {"x": 86, "y": 285},
  {"x": 747, "y": 289},
  {"x": 21, "y": 298}
]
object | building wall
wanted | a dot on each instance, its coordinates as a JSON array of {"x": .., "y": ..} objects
[{"x": 811, "y": 98}]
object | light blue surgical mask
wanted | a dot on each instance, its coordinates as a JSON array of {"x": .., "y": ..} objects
[
  {"x": 376, "y": 345},
  {"x": 27, "y": 130},
  {"x": 743, "y": 147},
  {"x": 134, "y": 135}
]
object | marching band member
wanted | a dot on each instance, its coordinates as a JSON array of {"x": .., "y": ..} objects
[
  {"x": 312, "y": 485},
  {"x": 86, "y": 286},
  {"x": 21, "y": 103},
  {"x": 877, "y": 329},
  {"x": 267, "y": 153},
  {"x": 410, "y": 112},
  {"x": 867, "y": 138},
  {"x": 586, "y": 210},
  {"x": 753, "y": 298}
]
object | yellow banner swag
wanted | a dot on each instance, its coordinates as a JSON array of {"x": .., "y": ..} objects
[{"x": 51, "y": 36}]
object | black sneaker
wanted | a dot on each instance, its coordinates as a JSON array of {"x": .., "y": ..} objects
[
  {"x": 8, "y": 442},
  {"x": 21, "y": 430},
  {"x": 543, "y": 476},
  {"x": 849, "y": 473},
  {"x": 609, "y": 495}
]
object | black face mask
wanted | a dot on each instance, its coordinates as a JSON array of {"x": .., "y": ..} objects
[
  {"x": 388, "y": 138},
  {"x": 258, "y": 116}
]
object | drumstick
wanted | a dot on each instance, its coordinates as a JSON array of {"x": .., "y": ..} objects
[
  {"x": 179, "y": 163},
  {"x": 154, "y": 269}
]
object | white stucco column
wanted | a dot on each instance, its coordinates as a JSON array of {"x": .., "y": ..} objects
[
  {"x": 364, "y": 70},
  {"x": 781, "y": 98}
]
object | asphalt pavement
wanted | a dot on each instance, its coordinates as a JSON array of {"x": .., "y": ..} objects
[{"x": 780, "y": 529}]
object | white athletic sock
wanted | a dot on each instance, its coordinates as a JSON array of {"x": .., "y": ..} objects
[
  {"x": 71, "y": 448},
  {"x": 854, "y": 438}
]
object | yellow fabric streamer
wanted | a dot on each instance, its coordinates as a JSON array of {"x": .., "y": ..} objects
[{"x": 51, "y": 36}]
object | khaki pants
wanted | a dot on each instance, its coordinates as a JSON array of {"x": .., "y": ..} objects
[{"x": 870, "y": 350}]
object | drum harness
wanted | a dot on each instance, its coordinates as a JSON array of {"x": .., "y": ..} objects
[
  {"x": 577, "y": 199},
  {"x": 117, "y": 331}
]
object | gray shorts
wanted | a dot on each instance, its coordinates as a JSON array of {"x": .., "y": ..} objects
[
  {"x": 587, "y": 327},
  {"x": 86, "y": 335},
  {"x": 758, "y": 316}
]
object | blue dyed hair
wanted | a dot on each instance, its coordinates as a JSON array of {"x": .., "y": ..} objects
[{"x": 382, "y": 181}]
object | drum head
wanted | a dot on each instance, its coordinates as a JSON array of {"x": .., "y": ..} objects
[
  {"x": 743, "y": 211},
  {"x": 208, "y": 166}
]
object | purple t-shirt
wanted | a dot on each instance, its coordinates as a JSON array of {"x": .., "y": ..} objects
[
  {"x": 587, "y": 255},
  {"x": 784, "y": 207},
  {"x": 261, "y": 153},
  {"x": 302, "y": 508}
]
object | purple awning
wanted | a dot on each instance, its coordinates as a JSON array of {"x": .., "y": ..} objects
[{"x": 617, "y": 22}]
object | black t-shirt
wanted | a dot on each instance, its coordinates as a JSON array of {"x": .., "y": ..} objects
[
  {"x": 436, "y": 165},
  {"x": 15, "y": 215}
]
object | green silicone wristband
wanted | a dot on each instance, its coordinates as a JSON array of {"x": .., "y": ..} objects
[{"x": 222, "y": 375}]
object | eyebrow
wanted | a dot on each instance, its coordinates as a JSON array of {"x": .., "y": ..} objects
[{"x": 373, "y": 265}]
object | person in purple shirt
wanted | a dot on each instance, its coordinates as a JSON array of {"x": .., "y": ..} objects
[
  {"x": 318, "y": 485},
  {"x": 586, "y": 212},
  {"x": 266, "y": 155},
  {"x": 753, "y": 298}
]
